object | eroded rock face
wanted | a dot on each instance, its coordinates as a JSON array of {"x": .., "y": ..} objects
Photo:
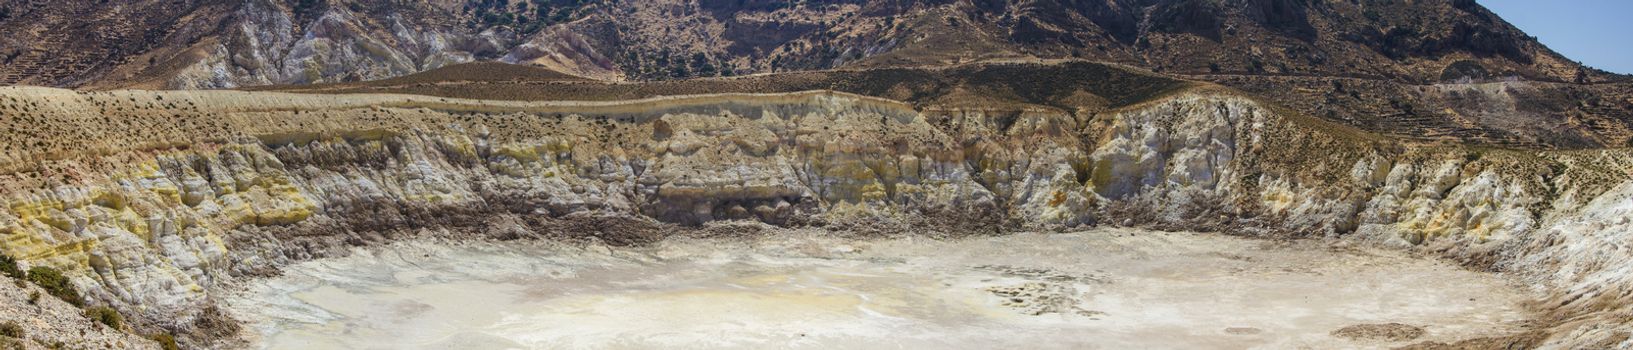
[
  {"x": 266, "y": 45},
  {"x": 149, "y": 200}
]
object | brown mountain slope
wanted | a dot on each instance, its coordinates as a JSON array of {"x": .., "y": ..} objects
[
  {"x": 205, "y": 44},
  {"x": 1067, "y": 86},
  {"x": 1433, "y": 69}
]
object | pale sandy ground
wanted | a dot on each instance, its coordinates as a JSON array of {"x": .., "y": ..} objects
[{"x": 1104, "y": 288}]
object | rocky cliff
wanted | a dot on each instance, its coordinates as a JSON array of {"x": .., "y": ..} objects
[{"x": 151, "y": 200}]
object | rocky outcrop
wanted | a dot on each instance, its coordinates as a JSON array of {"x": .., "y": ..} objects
[
  {"x": 268, "y": 45},
  {"x": 151, "y": 200}
]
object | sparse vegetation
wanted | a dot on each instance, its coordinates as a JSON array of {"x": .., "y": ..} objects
[
  {"x": 12, "y": 330},
  {"x": 526, "y": 17},
  {"x": 306, "y": 7},
  {"x": 106, "y": 316},
  {"x": 8, "y": 266},
  {"x": 165, "y": 340},
  {"x": 701, "y": 66},
  {"x": 55, "y": 284}
]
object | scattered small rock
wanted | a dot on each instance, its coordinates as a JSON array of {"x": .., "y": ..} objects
[
  {"x": 1044, "y": 274},
  {"x": 1039, "y": 298}
]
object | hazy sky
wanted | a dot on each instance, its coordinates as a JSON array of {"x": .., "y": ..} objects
[{"x": 1597, "y": 32}]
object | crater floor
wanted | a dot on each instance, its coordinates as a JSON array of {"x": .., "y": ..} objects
[{"x": 1103, "y": 288}]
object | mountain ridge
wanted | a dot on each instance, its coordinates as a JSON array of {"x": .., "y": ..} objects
[
  {"x": 1435, "y": 70},
  {"x": 262, "y": 42}
]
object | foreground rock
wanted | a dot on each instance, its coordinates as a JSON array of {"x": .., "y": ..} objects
[{"x": 151, "y": 200}]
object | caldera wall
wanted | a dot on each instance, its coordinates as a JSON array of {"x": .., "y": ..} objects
[{"x": 151, "y": 200}]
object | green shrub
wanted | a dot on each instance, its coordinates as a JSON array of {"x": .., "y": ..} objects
[
  {"x": 105, "y": 315},
  {"x": 33, "y": 297},
  {"x": 13, "y": 344},
  {"x": 55, "y": 284},
  {"x": 166, "y": 341},
  {"x": 9, "y": 267},
  {"x": 12, "y": 329}
]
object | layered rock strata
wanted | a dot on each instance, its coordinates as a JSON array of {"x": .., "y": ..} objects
[{"x": 152, "y": 200}]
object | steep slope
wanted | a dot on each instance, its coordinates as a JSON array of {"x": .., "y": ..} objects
[
  {"x": 214, "y": 44},
  {"x": 45, "y": 322}
]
